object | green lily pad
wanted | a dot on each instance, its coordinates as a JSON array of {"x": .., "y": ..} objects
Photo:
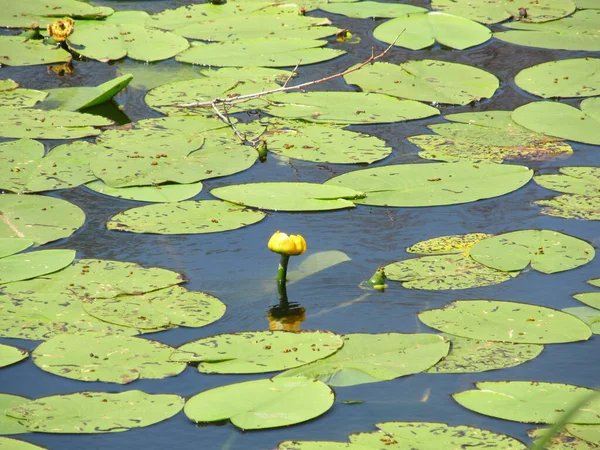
[
  {"x": 289, "y": 196},
  {"x": 270, "y": 52},
  {"x": 10, "y": 355},
  {"x": 460, "y": 243},
  {"x": 487, "y": 12},
  {"x": 164, "y": 193},
  {"x": 258, "y": 352},
  {"x": 445, "y": 271},
  {"x": 324, "y": 143},
  {"x": 591, "y": 316},
  {"x": 576, "y": 32},
  {"x": 589, "y": 433},
  {"x": 187, "y": 217},
  {"x": 423, "y": 435},
  {"x": 148, "y": 76},
  {"x": 38, "y": 124},
  {"x": 433, "y": 184},
  {"x": 162, "y": 308},
  {"x": 77, "y": 98},
  {"x": 589, "y": 298},
  {"x": 25, "y": 14},
  {"x": 320, "y": 445},
  {"x": 11, "y": 245},
  {"x": 21, "y": 98},
  {"x": 421, "y": 30},
  {"x": 587, "y": 4},
  {"x": 503, "y": 321},
  {"x": 21, "y": 51},
  {"x": 562, "y": 440},
  {"x": 529, "y": 401},
  {"x": 346, "y": 107},
  {"x": 572, "y": 206},
  {"x": 10, "y": 425},
  {"x": 474, "y": 356},
  {"x": 573, "y": 180},
  {"x": 427, "y": 80},
  {"x": 33, "y": 264},
  {"x": 578, "y": 77},
  {"x": 370, "y": 9},
  {"x": 8, "y": 85},
  {"x": 547, "y": 251},
  {"x": 105, "y": 357},
  {"x": 368, "y": 358},
  {"x": 261, "y": 404},
  {"x": 16, "y": 444},
  {"x": 122, "y": 35},
  {"x": 96, "y": 412}
]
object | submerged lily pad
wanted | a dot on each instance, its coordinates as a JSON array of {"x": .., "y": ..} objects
[
  {"x": 10, "y": 425},
  {"x": 21, "y": 51},
  {"x": 460, "y": 243},
  {"x": 270, "y": 52},
  {"x": 547, "y": 251},
  {"x": 591, "y": 316},
  {"x": 445, "y": 271},
  {"x": 475, "y": 355},
  {"x": 368, "y": 358},
  {"x": 503, "y": 321},
  {"x": 578, "y": 77},
  {"x": 105, "y": 357},
  {"x": 370, "y": 9},
  {"x": 576, "y": 32},
  {"x": 347, "y": 107},
  {"x": 572, "y": 206},
  {"x": 33, "y": 264},
  {"x": 573, "y": 180},
  {"x": 433, "y": 184},
  {"x": 562, "y": 439},
  {"x": 427, "y": 80},
  {"x": 162, "y": 308},
  {"x": 164, "y": 193},
  {"x": 529, "y": 401},
  {"x": 38, "y": 218},
  {"x": 289, "y": 196},
  {"x": 421, "y": 30},
  {"x": 258, "y": 352},
  {"x": 10, "y": 355},
  {"x": 187, "y": 217},
  {"x": 96, "y": 412},
  {"x": 261, "y": 404}
]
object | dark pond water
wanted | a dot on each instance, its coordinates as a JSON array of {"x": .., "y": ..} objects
[{"x": 237, "y": 267}]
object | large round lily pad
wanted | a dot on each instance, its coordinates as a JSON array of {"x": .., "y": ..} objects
[
  {"x": 495, "y": 320},
  {"x": 10, "y": 355},
  {"x": 23, "y": 266},
  {"x": 22, "y": 14},
  {"x": 262, "y": 404},
  {"x": 96, "y": 412},
  {"x": 369, "y": 358},
  {"x": 289, "y": 196},
  {"x": 103, "y": 357},
  {"x": 258, "y": 352},
  {"x": 187, "y": 217},
  {"x": 529, "y": 401},
  {"x": 547, "y": 251},
  {"x": 21, "y": 51},
  {"x": 10, "y": 425},
  {"x": 427, "y": 80},
  {"x": 433, "y": 184}
]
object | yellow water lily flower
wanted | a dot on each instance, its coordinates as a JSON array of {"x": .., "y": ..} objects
[
  {"x": 61, "y": 29},
  {"x": 291, "y": 245}
]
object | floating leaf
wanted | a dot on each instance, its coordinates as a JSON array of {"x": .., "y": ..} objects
[
  {"x": 562, "y": 440},
  {"x": 347, "y": 107},
  {"x": 434, "y": 435},
  {"x": 77, "y": 98},
  {"x": 21, "y": 51},
  {"x": 324, "y": 143},
  {"x": 25, "y": 14},
  {"x": 316, "y": 262},
  {"x": 320, "y": 445},
  {"x": 573, "y": 180},
  {"x": 33, "y": 264},
  {"x": 96, "y": 412},
  {"x": 258, "y": 352},
  {"x": 11, "y": 245},
  {"x": 368, "y": 358},
  {"x": 572, "y": 206},
  {"x": 484, "y": 11},
  {"x": 16, "y": 444},
  {"x": 529, "y": 401},
  {"x": 162, "y": 308},
  {"x": 8, "y": 85},
  {"x": 576, "y": 32},
  {"x": 10, "y": 355},
  {"x": 502, "y": 321},
  {"x": 10, "y": 425},
  {"x": 21, "y": 98},
  {"x": 589, "y": 433},
  {"x": 35, "y": 123},
  {"x": 261, "y": 404},
  {"x": 148, "y": 76},
  {"x": 105, "y": 357},
  {"x": 164, "y": 193},
  {"x": 288, "y": 196},
  {"x": 547, "y": 251},
  {"x": 440, "y": 272},
  {"x": 587, "y": 4},
  {"x": 474, "y": 355},
  {"x": 271, "y": 52},
  {"x": 578, "y": 77},
  {"x": 370, "y": 9},
  {"x": 460, "y": 243},
  {"x": 589, "y": 298},
  {"x": 188, "y": 217},
  {"x": 591, "y": 316},
  {"x": 421, "y": 30},
  {"x": 433, "y": 184},
  {"x": 427, "y": 80}
]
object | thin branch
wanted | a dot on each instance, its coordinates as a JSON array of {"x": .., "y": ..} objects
[
  {"x": 292, "y": 74},
  {"x": 227, "y": 120}
]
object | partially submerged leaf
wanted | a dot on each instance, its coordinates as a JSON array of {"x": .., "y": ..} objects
[
  {"x": 572, "y": 206},
  {"x": 460, "y": 243},
  {"x": 591, "y": 316},
  {"x": 316, "y": 262},
  {"x": 573, "y": 180},
  {"x": 502, "y": 321},
  {"x": 562, "y": 440},
  {"x": 261, "y": 404},
  {"x": 10, "y": 355},
  {"x": 33, "y": 264},
  {"x": 164, "y": 193},
  {"x": 20, "y": 51}
]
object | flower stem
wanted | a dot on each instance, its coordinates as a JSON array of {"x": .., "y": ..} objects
[{"x": 282, "y": 277}]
